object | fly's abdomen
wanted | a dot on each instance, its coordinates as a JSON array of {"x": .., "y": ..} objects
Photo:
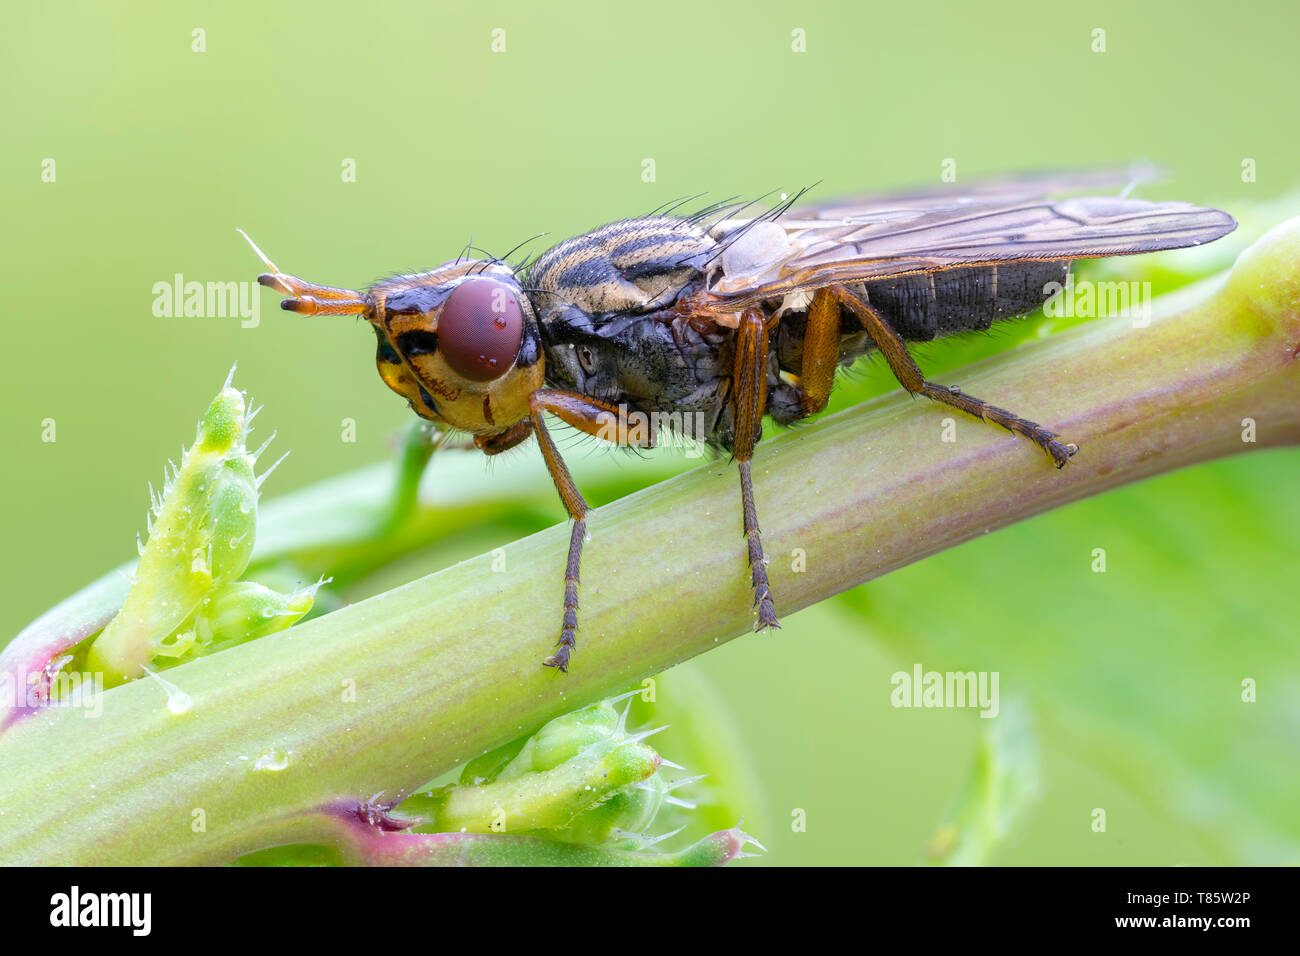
[{"x": 931, "y": 305}]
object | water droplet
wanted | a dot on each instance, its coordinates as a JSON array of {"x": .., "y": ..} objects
[
  {"x": 276, "y": 758},
  {"x": 178, "y": 702}
]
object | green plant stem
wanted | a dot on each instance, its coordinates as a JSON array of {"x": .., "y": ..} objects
[
  {"x": 343, "y": 528},
  {"x": 449, "y": 665}
]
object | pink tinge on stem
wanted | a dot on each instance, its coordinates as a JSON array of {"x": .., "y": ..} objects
[
  {"x": 366, "y": 833},
  {"x": 31, "y": 662}
]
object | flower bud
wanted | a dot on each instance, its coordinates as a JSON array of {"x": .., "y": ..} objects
[
  {"x": 245, "y": 611},
  {"x": 580, "y": 779},
  {"x": 233, "y": 614},
  {"x": 201, "y": 534},
  {"x": 563, "y": 739}
]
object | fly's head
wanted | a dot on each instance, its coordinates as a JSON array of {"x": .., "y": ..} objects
[{"x": 460, "y": 343}]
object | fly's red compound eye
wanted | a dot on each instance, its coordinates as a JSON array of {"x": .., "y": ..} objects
[{"x": 480, "y": 328}]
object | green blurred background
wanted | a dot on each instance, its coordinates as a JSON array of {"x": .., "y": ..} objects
[{"x": 161, "y": 152}]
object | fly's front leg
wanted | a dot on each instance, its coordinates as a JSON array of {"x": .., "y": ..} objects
[
  {"x": 595, "y": 418},
  {"x": 496, "y": 444},
  {"x": 909, "y": 376},
  {"x": 749, "y": 394}
]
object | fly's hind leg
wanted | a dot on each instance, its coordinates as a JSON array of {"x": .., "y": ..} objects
[
  {"x": 909, "y": 376},
  {"x": 749, "y": 381}
]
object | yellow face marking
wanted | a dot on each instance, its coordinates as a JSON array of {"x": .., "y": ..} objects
[{"x": 414, "y": 367}]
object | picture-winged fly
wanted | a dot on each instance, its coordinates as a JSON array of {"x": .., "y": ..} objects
[{"x": 723, "y": 318}]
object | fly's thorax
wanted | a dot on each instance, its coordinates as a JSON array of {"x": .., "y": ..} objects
[
  {"x": 461, "y": 344},
  {"x": 653, "y": 363},
  {"x": 635, "y": 265},
  {"x": 597, "y": 296},
  {"x": 581, "y": 354}
]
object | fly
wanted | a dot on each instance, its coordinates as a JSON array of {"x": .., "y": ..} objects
[{"x": 720, "y": 319}]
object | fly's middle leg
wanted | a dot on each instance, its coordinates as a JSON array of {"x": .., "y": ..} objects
[
  {"x": 749, "y": 389},
  {"x": 821, "y": 352},
  {"x": 910, "y": 377}
]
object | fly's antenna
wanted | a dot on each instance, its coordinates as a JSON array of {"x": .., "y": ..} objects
[
  {"x": 265, "y": 261},
  {"x": 307, "y": 298}
]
